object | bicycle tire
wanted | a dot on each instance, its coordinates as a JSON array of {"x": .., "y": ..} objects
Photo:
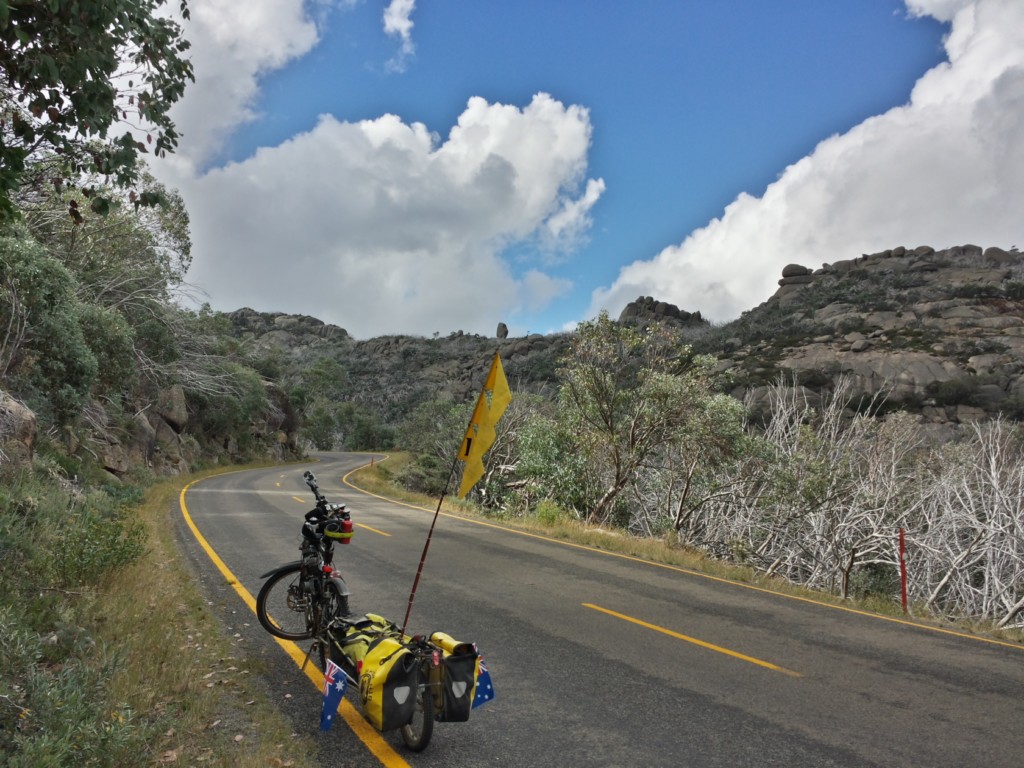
[
  {"x": 416, "y": 733},
  {"x": 332, "y": 605},
  {"x": 335, "y": 604},
  {"x": 284, "y": 607}
]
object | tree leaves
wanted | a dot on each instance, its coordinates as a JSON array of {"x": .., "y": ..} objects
[{"x": 62, "y": 60}]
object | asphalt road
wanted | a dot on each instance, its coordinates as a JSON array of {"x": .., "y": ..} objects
[{"x": 600, "y": 660}]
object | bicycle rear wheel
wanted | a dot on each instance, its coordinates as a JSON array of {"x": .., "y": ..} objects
[
  {"x": 284, "y": 605},
  {"x": 416, "y": 734}
]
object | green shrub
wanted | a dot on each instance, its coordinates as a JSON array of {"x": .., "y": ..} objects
[
  {"x": 873, "y": 580},
  {"x": 68, "y": 718},
  {"x": 94, "y": 541},
  {"x": 111, "y": 341},
  {"x": 1014, "y": 289},
  {"x": 975, "y": 291},
  {"x": 549, "y": 513},
  {"x": 56, "y": 707},
  {"x": 55, "y": 358},
  {"x": 424, "y": 474}
]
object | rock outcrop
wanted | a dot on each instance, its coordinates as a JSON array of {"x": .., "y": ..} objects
[
  {"x": 939, "y": 333},
  {"x": 646, "y": 309},
  {"x": 18, "y": 431}
]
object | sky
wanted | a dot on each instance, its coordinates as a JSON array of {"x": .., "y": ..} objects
[{"x": 428, "y": 166}]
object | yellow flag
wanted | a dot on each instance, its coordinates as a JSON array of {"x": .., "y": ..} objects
[
  {"x": 480, "y": 434},
  {"x": 501, "y": 396},
  {"x": 469, "y": 442}
]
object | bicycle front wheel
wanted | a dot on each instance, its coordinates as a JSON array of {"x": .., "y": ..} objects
[
  {"x": 335, "y": 605},
  {"x": 416, "y": 734},
  {"x": 284, "y": 605}
]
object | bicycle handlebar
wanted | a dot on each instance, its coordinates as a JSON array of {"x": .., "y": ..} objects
[{"x": 324, "y": 512}]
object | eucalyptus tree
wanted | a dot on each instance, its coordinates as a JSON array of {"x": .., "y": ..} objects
[
  {"x": 91, "y": 82},
  {"x": 626, "y": 393}
]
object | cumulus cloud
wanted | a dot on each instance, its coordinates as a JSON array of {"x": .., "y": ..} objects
[
  {"x": 234, "y": 43},
  {"x": 944, "y": 169},
  {"x": 398, "y": 23},
  {"x": 382, "y": 227},
  {"x": 377, "y": 226}
]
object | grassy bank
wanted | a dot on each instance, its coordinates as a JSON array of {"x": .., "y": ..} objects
[{"x": 109, "y": 655}]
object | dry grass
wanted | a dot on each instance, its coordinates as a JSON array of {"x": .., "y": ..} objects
[{"x": 179, "y": 666}]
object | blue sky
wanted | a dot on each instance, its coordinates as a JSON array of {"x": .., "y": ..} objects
[{"x": 678, "y": 140}]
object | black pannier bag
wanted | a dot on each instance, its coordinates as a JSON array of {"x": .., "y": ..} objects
[{"x": 458, "y": 678}]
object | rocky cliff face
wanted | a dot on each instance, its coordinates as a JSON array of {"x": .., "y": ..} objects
[{"x": 391, "y": 374}]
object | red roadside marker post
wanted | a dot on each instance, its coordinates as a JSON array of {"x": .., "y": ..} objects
[{"x": 903, "y": 570}]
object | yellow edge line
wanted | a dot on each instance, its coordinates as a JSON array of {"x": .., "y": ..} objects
[
  {"x": 690, "y": 572},
  {"x": 366, "y": 733},
  {"x": 695, "y": 641}
]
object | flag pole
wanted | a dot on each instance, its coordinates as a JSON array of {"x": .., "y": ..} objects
[
  {"x": 426, "y": 546},
  {"x": 464, "y": 447}
]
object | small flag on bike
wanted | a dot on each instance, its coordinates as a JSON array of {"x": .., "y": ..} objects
[
  {"x": 480, "y": 435},
  {"x": 484, "y": 687},
  {"x": 335, "y": 683}
]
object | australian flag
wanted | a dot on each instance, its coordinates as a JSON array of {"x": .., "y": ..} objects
[
  {"x": 484, "y": 687},
  {"x": 334, "y": 691}
]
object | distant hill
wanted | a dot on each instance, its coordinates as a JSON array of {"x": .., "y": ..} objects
[{"x": 940, "y": 332}]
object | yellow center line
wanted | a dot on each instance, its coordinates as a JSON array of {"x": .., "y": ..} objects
[
  {"x": 372, "y": 529},
  {"x": 301, "y": 501},
  {"x": 362, "y": 729},
  {"x": 691, "y": 572},
  {"x": 695, "y": 641}
]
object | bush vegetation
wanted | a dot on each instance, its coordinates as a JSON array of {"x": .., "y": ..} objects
[{"x": 94, "y": 616}]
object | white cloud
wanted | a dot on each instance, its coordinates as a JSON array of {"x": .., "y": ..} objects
[
  {"x": 943, "y": 10},
  {"x": 234, "y": 42},
  {"x": 942, "y": 170},
  {"x": 380, "y": 227},
  {"x": 377, "y": 226},
  {"x": 573, "y": 220},
  {"x": 398, "y": 22}
]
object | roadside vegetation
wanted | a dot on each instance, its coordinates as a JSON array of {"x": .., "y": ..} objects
[
  {"x": 109, "y": 654},
  {"x": 383, "y": 479},
  {"x": 810, "y": 488}
]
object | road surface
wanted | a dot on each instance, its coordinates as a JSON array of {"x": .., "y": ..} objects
[{"x": 603, "y": 660}]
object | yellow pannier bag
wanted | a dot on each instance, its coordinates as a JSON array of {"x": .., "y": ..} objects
[{"x": 388, "y": 684}]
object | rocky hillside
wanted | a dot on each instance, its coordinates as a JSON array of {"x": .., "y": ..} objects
[
  {"x": 937, "y": 333},
  {"x": 391, "y": 374}
]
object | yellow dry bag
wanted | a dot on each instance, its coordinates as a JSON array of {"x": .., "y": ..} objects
[{"x": 388, "y": 684}]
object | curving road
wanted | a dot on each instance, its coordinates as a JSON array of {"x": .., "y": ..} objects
[{"x": 601, "y": 660}]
